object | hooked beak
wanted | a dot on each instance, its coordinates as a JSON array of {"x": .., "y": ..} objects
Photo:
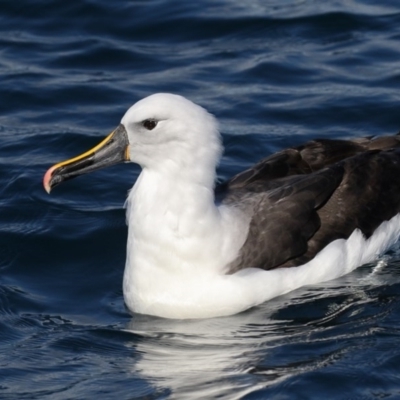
[{"x": 112, "y": 150}]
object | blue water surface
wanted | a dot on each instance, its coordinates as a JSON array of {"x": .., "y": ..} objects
[{"x": 275, "y": 73}]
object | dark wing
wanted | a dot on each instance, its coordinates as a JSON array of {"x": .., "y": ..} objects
[
  {"x": 368, "y": 195},
  {"x": 295, "y": 212},
  {"x": 310, "y": 157}
]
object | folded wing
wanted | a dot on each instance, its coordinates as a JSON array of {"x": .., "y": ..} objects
[{"x": 301, "y": 199}]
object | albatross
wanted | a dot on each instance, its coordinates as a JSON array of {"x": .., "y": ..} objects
[{"x": 302, "y": 216}]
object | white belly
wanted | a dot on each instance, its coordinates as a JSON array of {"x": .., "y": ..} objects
[{"x": 199, "y": 294}]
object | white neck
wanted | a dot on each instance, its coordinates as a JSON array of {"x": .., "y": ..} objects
[{"x": 168, "y": 215}]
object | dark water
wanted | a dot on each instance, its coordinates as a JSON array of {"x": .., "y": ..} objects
[{"x": 275, "y": 73}]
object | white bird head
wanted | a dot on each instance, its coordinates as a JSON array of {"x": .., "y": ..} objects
[
  {"x": 165, "y": 126},
  {"x": 160, "y": 131}
]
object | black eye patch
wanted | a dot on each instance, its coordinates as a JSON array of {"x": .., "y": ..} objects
[{"x": 149, "y": 124}]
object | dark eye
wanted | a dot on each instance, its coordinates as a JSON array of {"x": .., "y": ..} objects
[{"x": 149, "y": 124}]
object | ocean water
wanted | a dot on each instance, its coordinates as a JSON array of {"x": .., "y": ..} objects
[{"x": 275, "y": 73}]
